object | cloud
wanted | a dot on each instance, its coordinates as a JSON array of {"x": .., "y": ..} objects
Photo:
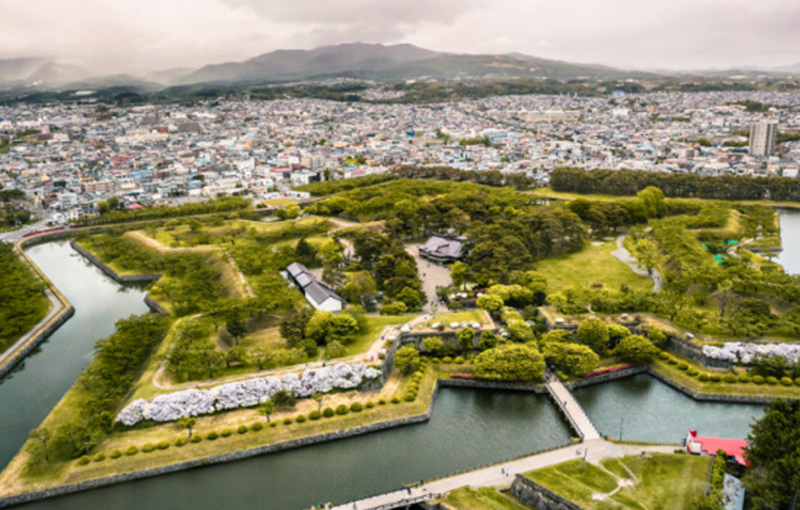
[{"x": 125, "y": 35}]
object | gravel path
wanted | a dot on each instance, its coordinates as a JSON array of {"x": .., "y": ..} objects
[{"x": 623, "y": 255}]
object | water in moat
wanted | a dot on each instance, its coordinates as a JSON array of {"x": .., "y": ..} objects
[
  {"x": 789, "y": 258},
  {"x": 468, "y": 428}
]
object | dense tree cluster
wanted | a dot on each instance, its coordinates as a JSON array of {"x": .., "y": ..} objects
[
  {"x": 224, "y": 204},
  {"x": 22, "y": 300},
  {"x": 12, "y": 210},
  {"x": 630, "y": 182}
]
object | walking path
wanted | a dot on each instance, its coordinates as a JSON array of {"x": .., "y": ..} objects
[
  {"x": 623, "y": 255},
  {"x": 570, "y": 407},
  {"x": 432, "y": 276},
  {"x": 503, "y": 474},
  {"x": 55, "y": 309}
]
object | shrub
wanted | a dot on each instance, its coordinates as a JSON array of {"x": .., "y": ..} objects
[
  {"x": 381, "y": 401},
  {"x": 436, "y": 361},
  {"x": 288, "y": 421},
  {"x": 703, "y": 377},
  {"x": 758, "y": 379},
  {"x": 683, "y": 365},
  {"x": 672, "y": 361},
  {"x": 370, "y": 404},
  {"x": 116, "y": 454},
  {"x": 328, "y": 412},
  {"x": 148, "y": 447},
  {"x": 409, "y": 397},
  {"x": 301, "y": 419},
  {"x": 84, "y": 460},
  {"x": 356, "y": 407},
  {"x": 342, "y": 409},
  {"x": 447, "y": 359},
  {"x": 744, "y": 379},
  {"x": 163, "y": 444},
  {"x": 715, "y": 378},
  {"x": 797, "y": 381},
  {"x": 693, "y": 372},
  {"x": 395, "y": 400},
  {"x": 212, "y": 436},
  {"x": 225, "y": 433},
  {"x": 459, "y": 360},
  {"x": 315, "y": 415},
  {"x": 180, "y": 442},
  {"x": 256, "y": 427},
  {"x": 273, "y": 424},
  {"x": 242, "y": 429},
  {"x": 729, "y": 378},
  {"x": 663, "y": 355},
  {"x": 100, "y": 457},
  {"x": 196, "y": 438},
  {"x": 772, "y": 381},
  {"x": 786, "y": 381}
]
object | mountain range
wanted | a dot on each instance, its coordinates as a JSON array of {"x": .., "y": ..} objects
[{"x": 355, "y": 60}]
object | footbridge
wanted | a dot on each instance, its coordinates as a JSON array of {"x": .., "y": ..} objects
[{"x": 570, "y": 407}]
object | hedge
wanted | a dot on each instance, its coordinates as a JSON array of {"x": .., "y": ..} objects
[
  {"x": 328, "y": 412},
  {"x": 256, "y": 426},
  {"x": 132, "y": 450},
  {"x": 342, "y": 409},
  {"x": 356, "y": 407}
]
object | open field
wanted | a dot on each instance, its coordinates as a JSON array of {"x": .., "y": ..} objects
[
  {"x": 660, "y": 481},
  {"x": 592, "y": 264},
  {"x": 483, "y": 498}
]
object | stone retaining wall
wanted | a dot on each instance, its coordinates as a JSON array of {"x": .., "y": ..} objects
[
  {"x": 597, "y": 379},
  {"x": 711, "y": 397},
  {"x": 695, "y": 353},
  {"x": 479, "y": 384},
  {"x": 127, "y": 278},
  {"x": 11, "y": 362},
  {"x": 538, "y": 497},
  {"x": 155, "y": 305}
]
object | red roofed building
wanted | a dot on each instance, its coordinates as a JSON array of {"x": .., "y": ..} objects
[{"x": 733, "y": 448}]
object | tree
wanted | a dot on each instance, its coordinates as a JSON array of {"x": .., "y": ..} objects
[
  {"x": 411, "y": 298},
  {"x": 652, "y": 199},
  {"x": 510, "y": 362},
  {"x": 335, "y": 349},
  {"x": 573, "y": 359},
  {"x": 636, "y": 349},
  {"x": 406, "y": 359},
  {"x": 645, "y": 252},
  {"x": 267, "y": 408},
  {"x": 432, "y": 344},
  {"x": 360, "y": 288},
  {"x": 594, "y": 333},
  {"x": 333, "y": 275},
  {"x": 284, "y": 398},
  {"x": 42, "y": 435},
  {"x": 557, "y": 335},
  {"x": 459, "y": 272},
  {"x": 490, "y": 302},
  {"x": 305, "y": 253},
  {"x": 293, "y": 324},
  {"x": 466, "y": 339},
  {"x": 318, "y": 398},
  {"x": 235, "y": 325},
  {"x": 187, "y": 422},
  {"x": 488, "y": 341},
  {"x": 773, "y": 478},
  {"x": 617, "y": 332},
  {"x": 519, "y": 331}
]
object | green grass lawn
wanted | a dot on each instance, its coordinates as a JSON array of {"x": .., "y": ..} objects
[
  {"x": 484, "y": 498},
  {"x": 372, "y": 331},
  {"x": 469, "y": 316},
  {"x": 662, "y": 481},
  {"x": 593, "y": 264}
]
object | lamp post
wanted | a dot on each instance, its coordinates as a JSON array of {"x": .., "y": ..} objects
[{"x": 621, "y": 423}]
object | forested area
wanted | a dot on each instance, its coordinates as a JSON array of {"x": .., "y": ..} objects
[
  {"x": 629, "y": 182},
  {"x": 22, "y": 299}
]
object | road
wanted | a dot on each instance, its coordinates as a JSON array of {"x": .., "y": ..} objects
[{"x": 432, "y": 276}]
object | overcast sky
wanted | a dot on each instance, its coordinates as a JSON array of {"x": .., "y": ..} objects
[{"x": 128, "y": 35}]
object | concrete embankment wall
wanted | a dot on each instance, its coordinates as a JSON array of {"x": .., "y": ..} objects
[
  {"x": 538, "y": 497},
  {"x": 55, "y": 322},
  {"x": 127, "y": 278}
]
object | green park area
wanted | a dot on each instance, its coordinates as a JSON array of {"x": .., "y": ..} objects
[
  {"x": 22, "y": 299},
  {"x": 592, "y": 265},
  {"x": 483, "y": 498},
  {"x": 669, "y": 482}
]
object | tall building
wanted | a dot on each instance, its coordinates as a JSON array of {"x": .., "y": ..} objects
[{"x": 762, "y": 138}]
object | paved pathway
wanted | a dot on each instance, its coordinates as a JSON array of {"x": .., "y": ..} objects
[
  {"x": 574, "y": 412},
  {"x": 623, "y": 255},
  {"x": 432, "y": 276},
  {"x": 503, "y": 474},
  {"x": 55, "y": 308}
]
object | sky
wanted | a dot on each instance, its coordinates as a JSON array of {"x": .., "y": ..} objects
[{"x": 141, "y": 35}]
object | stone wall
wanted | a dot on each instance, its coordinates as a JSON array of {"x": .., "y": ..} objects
[
  {"x": 217, "y": 459},
  {"x": 695, "y": 353},
  {"x": 597, "y": 379},
  {"x": 710, "y": 397},
  {"x": 11, "y": 362},
  {"x": 480, "y": 384},
  {"x": 538, "y": 497},
  {"x": 155, "y": 305},
  {"x": 128, "y": 278}
]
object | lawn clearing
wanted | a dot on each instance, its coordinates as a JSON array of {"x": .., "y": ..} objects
[
  {"x": 484, "y": 498},
  {"x": 592, "y": 264},
  {"x": 664, "y": 481},
  {"x": 470, "y": 316},
  {"x": 372, "y": 331}
]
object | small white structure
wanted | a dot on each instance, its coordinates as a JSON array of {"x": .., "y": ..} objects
[{"x": 318, "y": 295}]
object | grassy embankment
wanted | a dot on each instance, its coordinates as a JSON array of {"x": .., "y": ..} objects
[
  {"x": 661, "y": 481},
  {"x": 483, "y": 498},
  {"x": 14, "y": 481}
]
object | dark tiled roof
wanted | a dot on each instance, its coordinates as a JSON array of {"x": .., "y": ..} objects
[{"x": 442, "y": 247}]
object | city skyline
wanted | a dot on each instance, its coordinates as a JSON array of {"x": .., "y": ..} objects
[{"x": 147, "y": 36}]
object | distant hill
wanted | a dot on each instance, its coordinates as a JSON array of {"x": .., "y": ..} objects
[
  {"x": 14, "y": 69},
  {"x": 392, "y": 62}
]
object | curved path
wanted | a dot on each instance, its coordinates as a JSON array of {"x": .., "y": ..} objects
[{"x": 623, "y": 255}]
